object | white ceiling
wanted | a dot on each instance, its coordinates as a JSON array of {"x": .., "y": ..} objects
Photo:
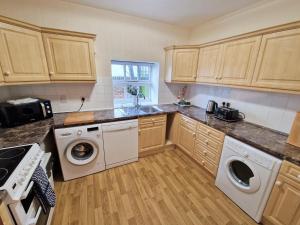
[{"x": 186, "y": 13}]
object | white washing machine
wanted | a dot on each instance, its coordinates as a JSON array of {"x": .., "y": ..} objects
[
  {"x": 247, "y": 175},
  {"x": 80, "y": 150}
]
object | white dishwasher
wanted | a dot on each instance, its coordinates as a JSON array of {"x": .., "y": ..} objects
[{"x": 120, "y": 142}]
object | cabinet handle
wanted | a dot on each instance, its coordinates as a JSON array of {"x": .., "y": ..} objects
[
  {"x": 278, "y": 183},
  {"x": 194, "y": 134},
  {"x": 51, "y": 73},
  {"x": 207, "y": 131},
  {"x": 203, "y": 162},
  {"x": 205, "y": 152},
  {"x": 6, "y": 73},
  {"x": 206, "y": 142},
  {"x": 139, "y": 132}
]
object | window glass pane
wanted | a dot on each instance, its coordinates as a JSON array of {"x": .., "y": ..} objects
[
  {"x": 145, "y": 90},
  {"x": 117, "y": 72},
  {"x": 131, "y": 73},
  {"x": 145, "y": 72}
]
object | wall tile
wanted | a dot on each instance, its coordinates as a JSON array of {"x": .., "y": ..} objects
[{"x": 273, "y": 110}]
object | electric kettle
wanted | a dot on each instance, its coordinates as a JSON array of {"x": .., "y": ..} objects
[{"x": 211, "y": 107}]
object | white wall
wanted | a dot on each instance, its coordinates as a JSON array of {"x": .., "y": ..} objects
[
  {"x": 265, "y": 14},
  {"x": 276, "y": 111},
  {"x": 119, "y": 37}
]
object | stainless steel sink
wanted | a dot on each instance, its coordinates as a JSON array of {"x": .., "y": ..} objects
[
  {"x": 149, "y": 109},
  {"x": 142, "y": 110}
]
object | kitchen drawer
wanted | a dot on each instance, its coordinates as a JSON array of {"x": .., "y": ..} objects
[
  {"x": 210, "y": 143},
  {"x": 207, "y": 153},
  {"x": 210, "y": 132},
  {"x": 152, "y": 119},
  {"x": 291, "y": 171},
  {"x": 188, "y": 122},
  {"x": 152, "y": 124},
  {"x": 209, "y": 166}
]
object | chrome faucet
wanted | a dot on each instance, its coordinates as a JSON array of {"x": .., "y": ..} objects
[{"x": 139, "y": 95}]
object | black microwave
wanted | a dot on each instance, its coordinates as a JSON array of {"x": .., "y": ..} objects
[{"x": 21, "y": 111}]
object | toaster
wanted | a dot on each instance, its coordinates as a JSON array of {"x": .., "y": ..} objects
[{"x": 228, "y": 114}]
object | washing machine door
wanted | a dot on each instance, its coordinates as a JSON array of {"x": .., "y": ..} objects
[
  {"x": 81, "y": 152},
  {"x": 242, "y": 174}
]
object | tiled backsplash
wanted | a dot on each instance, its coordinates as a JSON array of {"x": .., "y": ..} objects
[
  {"x": 67, "y": 97},
  {"x": 274, "y": 110}
]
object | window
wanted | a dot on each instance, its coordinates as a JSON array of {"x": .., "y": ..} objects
[{"x": 136, "y": 74}]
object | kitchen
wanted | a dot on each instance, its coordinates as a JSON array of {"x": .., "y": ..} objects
[{"x": 159, "y": 164}]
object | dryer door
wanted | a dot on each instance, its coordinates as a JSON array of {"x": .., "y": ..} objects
[
  {"x": 242, "y": 174},
  {"x": 81, "y": 152}
]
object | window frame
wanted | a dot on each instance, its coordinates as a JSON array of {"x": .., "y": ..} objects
[{"x": 139, "y": 82}]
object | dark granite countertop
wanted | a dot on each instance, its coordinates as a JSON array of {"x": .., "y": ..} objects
[
  {"x": 265, "y": 139},
  {"x": 25, "y": 134}
]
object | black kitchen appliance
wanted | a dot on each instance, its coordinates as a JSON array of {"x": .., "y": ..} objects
[
  {"x": 26, "y": 110},
  {"x": 211, "y": 107},
  {"x": 228, "y": 114}
]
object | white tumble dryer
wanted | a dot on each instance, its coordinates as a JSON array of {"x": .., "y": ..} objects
[
  {"x": 80, "y": 150},
  {"x": 247, "y": 175}
]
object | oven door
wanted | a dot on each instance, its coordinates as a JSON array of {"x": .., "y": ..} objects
[{"x": 28, "y": 210}]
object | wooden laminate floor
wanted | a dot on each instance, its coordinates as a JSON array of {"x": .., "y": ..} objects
[{"x": 166, "y": 188}]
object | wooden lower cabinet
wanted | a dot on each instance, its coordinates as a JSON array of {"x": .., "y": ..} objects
[
  {"x": 187, "y": 135},
  {"x": 1, "y": 76},
  {"x": 201, "y": 142},
  {"x": 283, "y": 207},
  {"x": 5, "y": 217},
  {"x": 152, "y": 133},
  {"x": 208, "y": 148}
]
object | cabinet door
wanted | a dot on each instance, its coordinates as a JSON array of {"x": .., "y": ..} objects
[
  {"x": 278, "y": 61},
  {"x": 283, "y": 207},
  {"x": 185, "y": 64},
  {"x": 186, "y": 139},
  {"x": 238, "y": 61},
  {"x": 152, "y": 137},
  {"x": 1, "y": 75},
  {"x": 70, "y": 58},
  {"x": 5, "y": 217},
  {"x": 22, "y": 55},
  {"x": 209, "y": 63}
]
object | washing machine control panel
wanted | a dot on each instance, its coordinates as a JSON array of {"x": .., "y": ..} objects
[
  {"x": 250, "y": 153},
  {"x": 79, "y": 132}
]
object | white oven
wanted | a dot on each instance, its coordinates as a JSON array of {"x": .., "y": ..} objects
[{"x": 28, "y": 211}]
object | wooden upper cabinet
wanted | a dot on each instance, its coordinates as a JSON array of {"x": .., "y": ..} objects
[
  {"x": 70, "y": 58},
  {"x": 238, "y": 61},
  {"x": 278, "y": 61},
  {"x": 182, "y": 64},
  {"x": 22, "y": 55},
  {"x": 209, "y": 63}
]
